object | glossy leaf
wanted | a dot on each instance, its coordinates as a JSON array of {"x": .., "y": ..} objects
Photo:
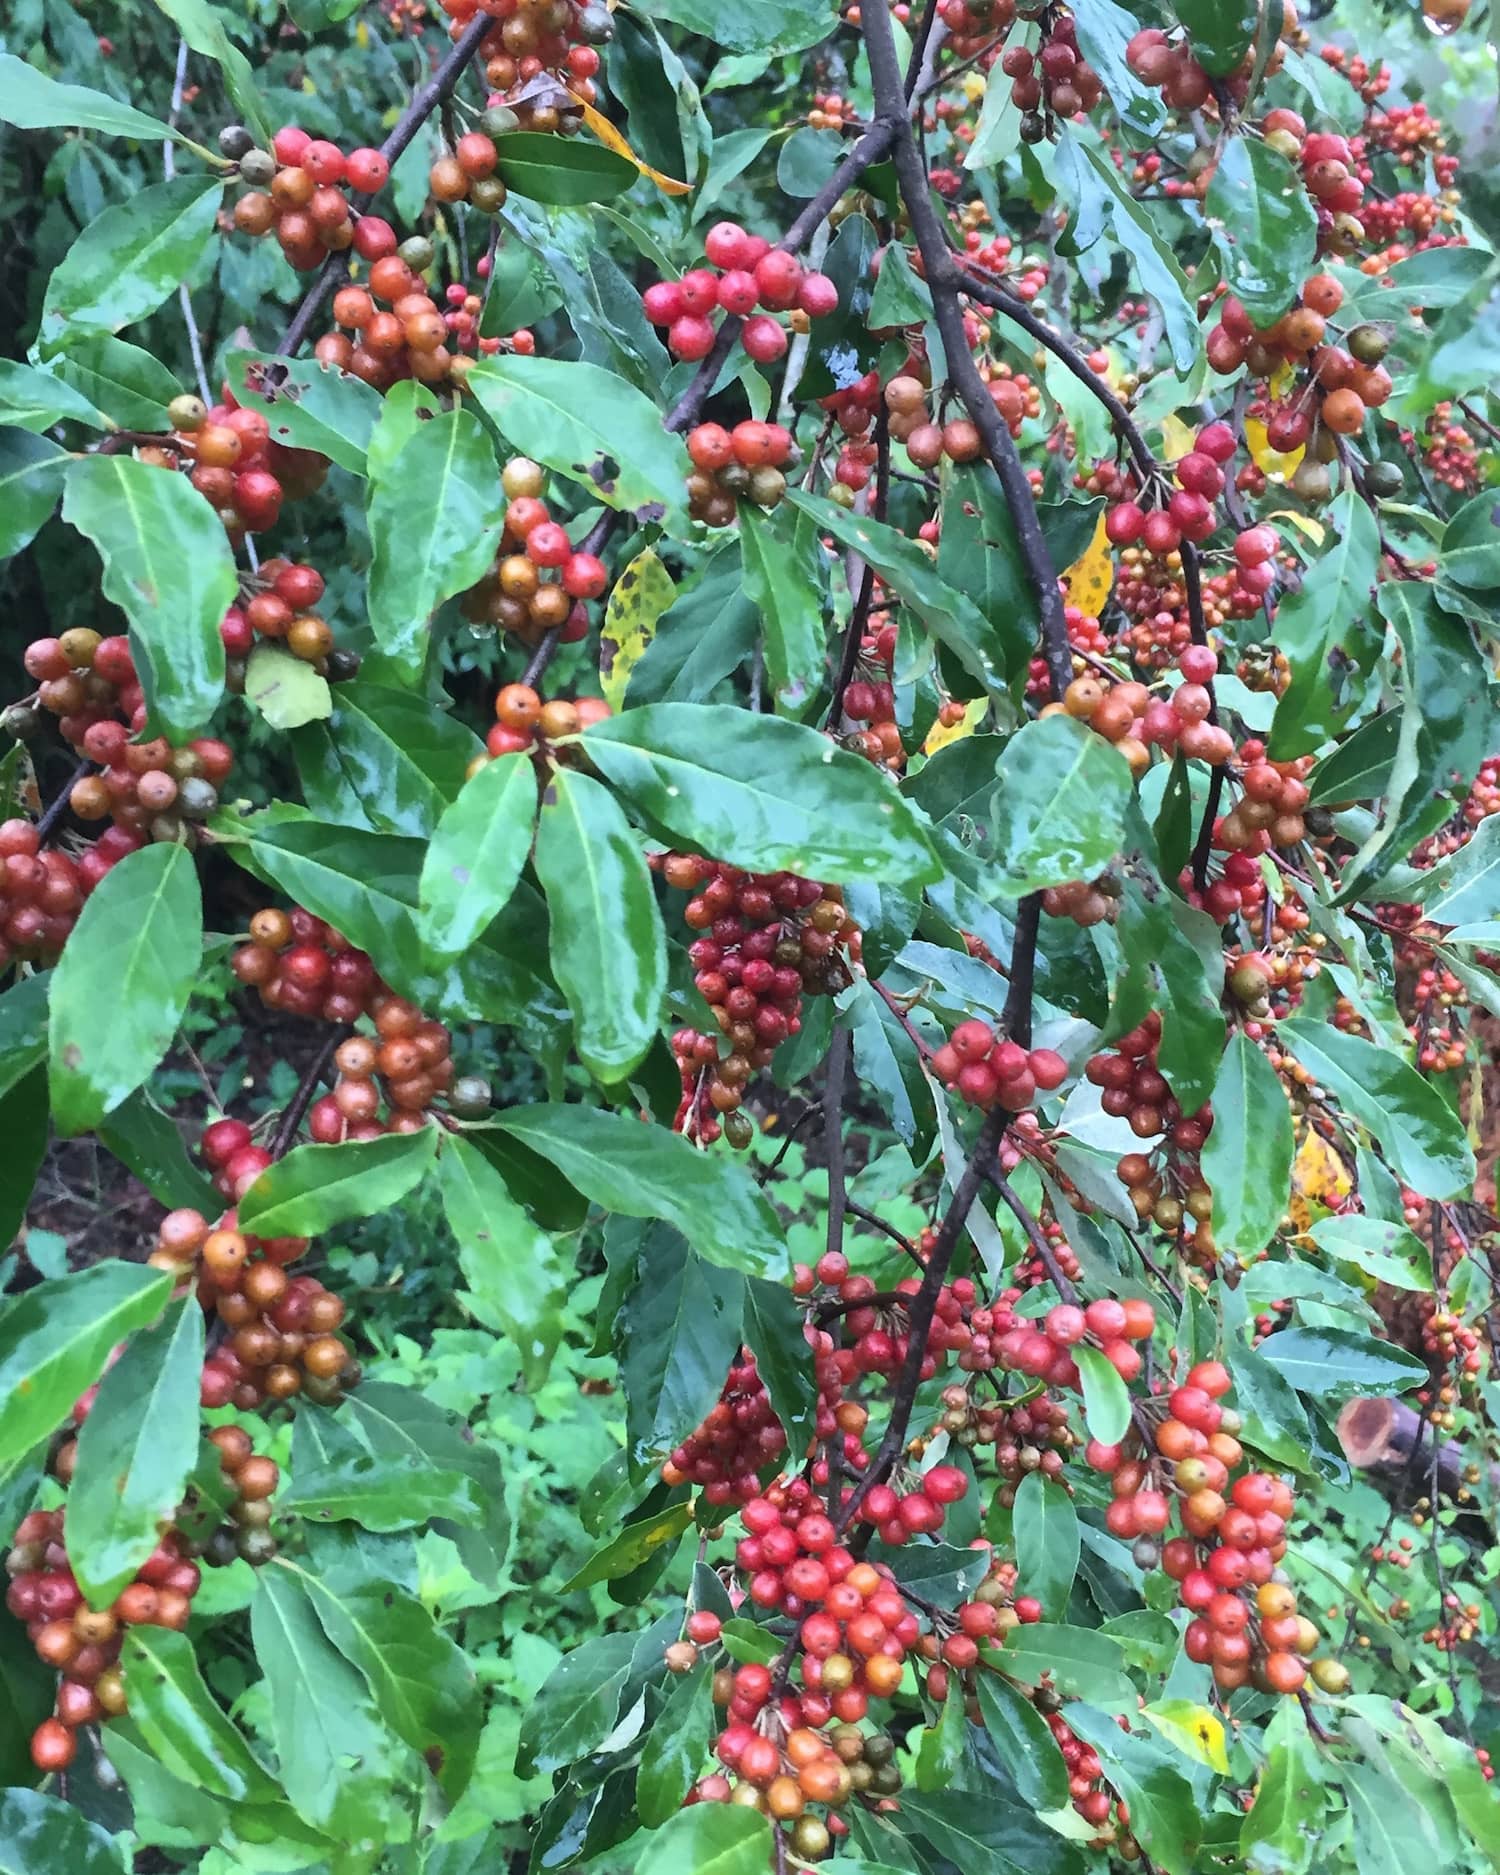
[
  {"x": 782, "y": 582},
  {"x": 590, "y": 425},
  {"x": 146, "y": 1140},
  {"x": 1247, "y": 1160},
  {"x": 34, "y": 400},
  {"x": 1324, "y": 1361},
  {"x": 709, "y": 1839},
  {"x": 772, "y": 1329},
  {"x": 1106, "y": 1403},
  {"x": 1046, "y": 1527},
  {"x": 126, "y": 262},
  {"x": 309, "y": 405},
  {"x": 637, "y": 1543},
  {"x": 136, "y": 953},
  {"x": 563, "y": 173},
  {"x": 386, "y": 759},
  {"x": 204, "y": 29},
  {"x": 609, "y": 949},
  {"x": 168, "y": 566},
  {"x": 55, "y": 1339},
  {"x": 181, "y": 1721},
  {"x": 435, "y": 513},
  {"x": 977, "y": 1830},
  {"x": 510, "y": 1265},
  {"x": 1311, "y": 622},
  {"x": 419, "y": 1678},
  {"x": 576, "y": 1708},
  {"x": 1160, "y": 274},
  {"x": 32, "y": 472},
  {"x": 1265, "y": 222},
  {"x": 31, "y": 100},
  {"x": 1421, "y": 1134},
  {"x": 1220, "y": 34},
  {"x": 1464, "y": 886},
  {"x": 991, "y": 650},
  {"x": 315, "y": 1187},
  {"x": 24, "y": 1128},
  {"x": 678, "y": 1333},
  {"x": 476, "y": 853},
  {"x": 705, "y": 634},
  {"x": 761, "y": 793},
  {"x": 675, "y": 1750},
  {"x": 1104, "y": 30},
  {"x": 129, "y": 385},
  {"x": 340, "y": 1475},
  {"x": 1163, "y": 1815},
  {"x": 1389, "y": 1252},
  {"x": 1282, "y": 1829},
  {"x": 1023, "y": 1741},
  {"x": 1059, "y": 807},
  {"x": 135, "y": 1451},
  {"x": 286, "y": 690},
  {"x": 337, "y": 1759},
  {"x": 41, "y": 1834},
  {"x": 645, "y": 1172}
]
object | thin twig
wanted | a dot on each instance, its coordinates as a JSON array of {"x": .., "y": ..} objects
[
  {"x": 1035, "y": 1235},
  {"x": 291, "y": 1119},
  {"x": 877, "y": 1222},
  {"x": 47, "y": 825},
  {"x": 169, "y": 170},
  {"x": 837, "y": 1075}
]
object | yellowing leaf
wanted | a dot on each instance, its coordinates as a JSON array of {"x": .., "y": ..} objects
[
  {"x": 941, "y": 734},
  {"x": 1304, "y": 523},
  {"x": 641, "y": 594},
  {"x": 1194, "y": 1730},
  {"x": 1269, "y": 461},
  {"x": 605, "y": 131},
  {"x": 1319, "y": 1178},
  {"x": 1177, "y": 438},
  {"x": 1092, "y": 574}
]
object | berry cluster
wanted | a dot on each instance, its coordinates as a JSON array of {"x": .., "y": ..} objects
[
  {"x": 1189, "y": 513},
  {"x": 300, "y": 964},
  {"x": 561, "y": 36},
  {"x": 767, "y": 940},
  {"x": 297, "y": 192},
  {"x": 1044, "y": 1349},
  {"x": 989, "y": 1072},
  {"x": 738, "y": 1439},
  {"x": 750, "y": 273},
  {"x": 1133, "y": 1088},
  {"x": 42, "y": 892},
  {"x": 748, "y": 460},
  {"x": 230, "y": 458},
  {"x": 399, "y": 329},
  {"x": 148, "y": 788},
  {"x": 387, "y": 1081},
  {"x": 1085, "y": 901},
  {"x": 870, "y": 699},
  {"x": 523, "y": 721},
  {"x": 1053, "y": 81},
  {"x": 927, "y": 442},
  {"x": 276, "y": 602},
  {"x": 540, "y": 582}
]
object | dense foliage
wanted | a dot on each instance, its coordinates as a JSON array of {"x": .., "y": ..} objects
[{"x": 748, "y": 952}]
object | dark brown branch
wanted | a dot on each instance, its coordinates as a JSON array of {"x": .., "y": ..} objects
[
  {"x": 424, "y": 101},
  {"x": 877, "y": 1222},
  {"x": 837, "y": 1075},
  {"x": 307, "y": 1087},
  {"x": 1035, "y": 1235},
  {"x": 48, "y": 824}
]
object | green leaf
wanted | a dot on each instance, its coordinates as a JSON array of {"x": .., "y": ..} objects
[
  {"x": 309, "y": 405},
  {"x": 636, "y": 1543},
  {"x": 1175, "y": 950},
  {"x": 587, "y": 423},
  {"x": 31, "y": 100},
  {"x": 1469, "y": 551},
  {"x": 1023, "y": 1742},
  {"x": 32, "y": 471},
  {"x": 55, "y": 1339},
  {"x": 35, "y": 400},
  {"x": 143, "y": 1138},
  {"x": 1266, "y": 226},
  {"x": 1389, "y": 1252},
  {"x": 563, "y": 172},
  {"x": 1458, "y": 353},
  {"x": 991, "y": 650},
  {"x": 1359, "y": 769},
  {"x": 1247, "y": 1159},
  {"x": 1275, "y": 1418},
  {"x": 169, "y": 567},
  {"x": 510, "y": 1265},
  {"x": 1464, "y": 887},
  {"x": 772, "y": 1329},
  {"x": 1046, "y": 1527},
  {"x": 783, "y": 583},
  {"x": 42, "y": 1835},
  {"x": 1317, "y": 619},
  {"x": 1106, "y": 1402},
  {"x": 129, "y": 385},
  {"x": 24, "y": 1128},
  {"x": 419, "y": 1679},
  {"x": 762, "y": 793},
  {"x": 1059, "y": 806},
  {"x": 708, "y": 1838},
  {"x": 997, "y": 135},
  {"x": 575, "y": 1710},
  {"x": 135, "y": 1451},
  {"x": 315, "y": 1187},
  {"x": 476, "y": 854},
  {"x": 387, "y": 759},
  {"x": 705, "y": 634},
  {"x": 435, "y": 515},
  {"x": 181, "y": 1722},
  {"x": 675, "y": 1749},
  {"x": 28, "y": 1689},
  {"x": 1104, "y": 31},
  {"x": 1157, "y": 267},
  {"x": 1329, "y": 1361},
  {"x": 609, "y": 950},
  {"x": 1281, "y": 1833},
  {"x": 940, "y": 1746},
  {"x": 1422, "y": 1136},
  {"x": 678, "y": 1334},
  {"x": 135, "y": 952},
  {"x": 336, "y": 1757},
  {"x": 202, "y": 26},
  {"x": 286, "y": 690},
  {"x": 130, "y": 259},
  {"x": 1163, "y": 1815},
  {"x": 23, "y": 1028},
  {"x": 1221, "y": 34},
  {"x": 768, "y": 27},
  {"x": 974, "y": 1830},
  {"x": 341, "y": 1474},
  {"x": 645, "y": 1171}
]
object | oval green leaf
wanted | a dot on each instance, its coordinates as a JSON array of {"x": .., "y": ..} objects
[
  {"x": 126, "y": 262},
  {"x": 560, "y": 172},
  {"x": 182, "y": 1722},
  {"x": 315, "y": 1187},
  {"x": 510, "y": 1265},
  {"x": 476, "y": 854},
  {"x": 1247, "y": 1159},
  {"x": 1059, "y": 806}
]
